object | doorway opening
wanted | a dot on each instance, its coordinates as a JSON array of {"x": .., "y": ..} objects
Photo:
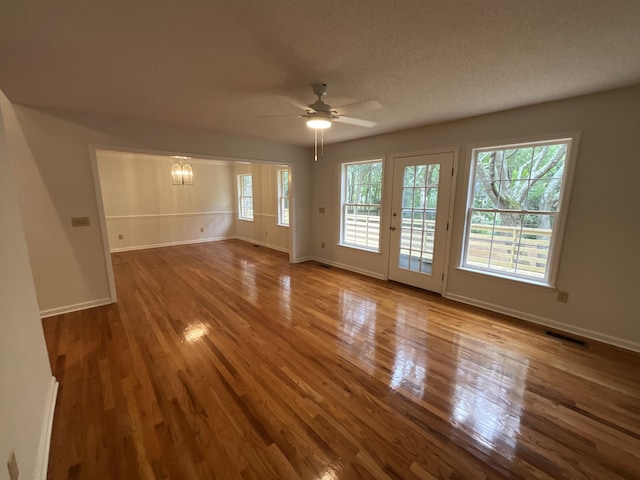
[{"x": 141, "y": 206}]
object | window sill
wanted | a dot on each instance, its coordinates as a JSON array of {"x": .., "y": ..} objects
[
  {"x": 509, "y": 280},
  {"x": 363, "y": 249},
  {"x": 246, "y": 219},
  {"x": 283, "y": 225}
]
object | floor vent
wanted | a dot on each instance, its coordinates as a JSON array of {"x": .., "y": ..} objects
[
  {"x": 324, "y": 265},
  {"x": 566, "y": 338}
]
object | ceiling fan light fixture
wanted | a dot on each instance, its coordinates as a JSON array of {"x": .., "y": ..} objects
[{"x": 318, "y": 121}]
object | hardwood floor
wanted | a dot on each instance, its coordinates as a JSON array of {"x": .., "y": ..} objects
[{"x": 224, "y": 361}]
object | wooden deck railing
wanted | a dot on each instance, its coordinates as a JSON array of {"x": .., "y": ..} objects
[{"x": 511, "y": 249}]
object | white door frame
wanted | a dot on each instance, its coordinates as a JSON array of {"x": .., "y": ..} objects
[
  {"x": 94, "y": 147},
  {"x": 452, "y": 194}
]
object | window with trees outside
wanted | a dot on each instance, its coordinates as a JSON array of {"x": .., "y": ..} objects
[
  {"x": 361, "y": 196},
  {"x": 516, "y": 195},
  {"x": 245, "y": 197},
  {"x": 283, "y": 197}
]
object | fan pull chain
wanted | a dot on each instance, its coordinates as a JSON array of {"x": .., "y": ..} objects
[
  {"x": 315, "y": 152},
  {"x": 322, "y": 143}
]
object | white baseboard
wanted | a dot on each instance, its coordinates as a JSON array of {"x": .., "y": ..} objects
[
  {"x": 168, "y": 244},
  {"x": 547, "y": 322},
  {"x": 74, "y": 308},
  {"x": 350, "y": 268},
  {"x": 262, "y": 244},
  {"x": 42, "y": 461}
]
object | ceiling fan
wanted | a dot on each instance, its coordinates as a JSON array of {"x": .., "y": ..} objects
[{"x": 320, "y": 115}]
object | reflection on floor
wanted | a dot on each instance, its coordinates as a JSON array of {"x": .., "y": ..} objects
[{"x": 225, "y": 361}]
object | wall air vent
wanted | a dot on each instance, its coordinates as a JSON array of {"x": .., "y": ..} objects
[{"x": 566, "y": 338}]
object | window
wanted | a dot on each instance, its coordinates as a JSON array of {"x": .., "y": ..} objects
[
  {"x": 361, "y": 194},
  {"x": 245, "y": 197},
  {"x": 514, "y": 211},
  {"x": 283, "y": 197}
]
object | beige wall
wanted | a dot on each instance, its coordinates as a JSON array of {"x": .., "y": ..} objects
[
  {"x": 56, "y": 183},
  {"x": 26, "y": 386},
  {"x": 142, "y": 205},
  {"x": 264, "y": 229},
  {"x": 600, "y": 259}
]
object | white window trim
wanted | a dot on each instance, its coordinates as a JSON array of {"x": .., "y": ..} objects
[
  {"x": 555, "y": 246},
  {"x": 343, "y": 192},
  {"x": 281, "y": 197},
  {"x": 240, "y": 197}
]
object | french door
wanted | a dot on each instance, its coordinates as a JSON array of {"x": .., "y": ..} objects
[{"x": 420, "y": 210}]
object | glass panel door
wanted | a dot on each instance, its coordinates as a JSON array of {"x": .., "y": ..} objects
[
  {"x": 419, "y": 207},
  {"x": 420, "y": 204}
]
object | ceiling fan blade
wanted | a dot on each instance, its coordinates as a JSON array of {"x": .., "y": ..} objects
[
  {"x": 356, "y": 121},
  {"x": 281, "y": 116},
  {"x": 368, "y": 105},
  {"x": 296, "y": 103}
]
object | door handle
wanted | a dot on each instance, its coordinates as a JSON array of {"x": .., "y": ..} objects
[{"x": 392, "y": 228}]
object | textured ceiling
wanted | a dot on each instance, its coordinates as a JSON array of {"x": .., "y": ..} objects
[{"x": 225, "y": 65}]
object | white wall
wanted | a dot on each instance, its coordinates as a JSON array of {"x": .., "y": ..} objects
[
  {"x": 600, "y": 258},
  {"x": 26, "y": 385},
  {"x": 56, "y": 183},
  {"x": 264, "y": 228},
  {"x": 142, "y": 205}
]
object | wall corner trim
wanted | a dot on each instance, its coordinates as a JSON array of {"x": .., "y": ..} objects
[
  {"x": 547, "y": 322},
  {"x": 42, "y": 460},
  {"x": 303, "y": 259}
]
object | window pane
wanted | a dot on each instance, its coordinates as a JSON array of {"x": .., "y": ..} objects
[
  {"x": 245, "y": 200},
  {"x": 483, "y": 195},
  {"x": 418, "y": 218},
  {"x": 283, "y": 197},
  {"x": 504, "y": 243},
  {"x": 545, "y": 195},
  {"x": 515, "y": 181},
  {"x": 433, "y": 178},
  {"x": 535, "y": 240},
  {"x": 407, "y": 197},
  {"x": 361, "y": 200},
  {"x": 432, "y": 197},
  {"x": 550, "y": 160},
  {"x": 284, "y": 211},
  {"x": 480, "y": 237},
  {"x": 421, "y": 175},
  {"x": 513, "y": 194},
  {"x": 409, "y": 175}
]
